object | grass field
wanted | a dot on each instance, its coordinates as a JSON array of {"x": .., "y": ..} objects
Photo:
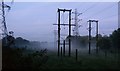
[
  {"x": 85, "y": 62},
  {"x": 28, "y": 60}
]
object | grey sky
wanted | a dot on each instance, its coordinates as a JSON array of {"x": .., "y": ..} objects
[{"x": 33, "y": 21}]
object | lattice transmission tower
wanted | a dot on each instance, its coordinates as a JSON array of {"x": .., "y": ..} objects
[{"x": 3, "y": 8}]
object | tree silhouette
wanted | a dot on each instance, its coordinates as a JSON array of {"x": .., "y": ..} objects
[
  {"x": 104, "y": 44},
  {"x": 8, "y": 41},
  {"x": 115, "y": 39}
]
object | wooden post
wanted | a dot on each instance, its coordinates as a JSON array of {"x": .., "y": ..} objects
[
  {"x": 69, "y": 33},
  {"x": 89, "y": 36},
  {"x": 59, "y": 23},
  {"x": 64, "y": 48},
  {"x": 76, "y": 55},
  {"x": 58, "y": 32},
  {"x": 97, "y": 37},
  {"x": 61, "y": 51}
]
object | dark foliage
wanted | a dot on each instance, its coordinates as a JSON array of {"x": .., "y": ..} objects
[
  {"x": 104, "y": 43},
  {"x": 15, "y": 59},
  {"x": 115, "y": 38},
  {"x": 20, "y": 40},
  {"x": 8, "y": 41}
]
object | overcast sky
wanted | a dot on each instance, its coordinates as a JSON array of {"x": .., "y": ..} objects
[{"x": 34, "y": 20}]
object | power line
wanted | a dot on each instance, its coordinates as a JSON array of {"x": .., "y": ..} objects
[
  {"x": 92, "y": 6},
  {"x": 103, "y": 18},
  {"x": 103, "y": 10},
  {"x": 109, "y": 17}
]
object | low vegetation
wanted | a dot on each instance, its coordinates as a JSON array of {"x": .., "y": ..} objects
[{"x": 22, "y": 59}]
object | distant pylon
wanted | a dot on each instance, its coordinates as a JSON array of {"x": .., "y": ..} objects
[
  {"x": 3, "y": 26},
  {"x": 76, "y": 20}
]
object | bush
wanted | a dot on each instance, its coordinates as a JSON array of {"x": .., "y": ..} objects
[{"x": 16, "y": 59}]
